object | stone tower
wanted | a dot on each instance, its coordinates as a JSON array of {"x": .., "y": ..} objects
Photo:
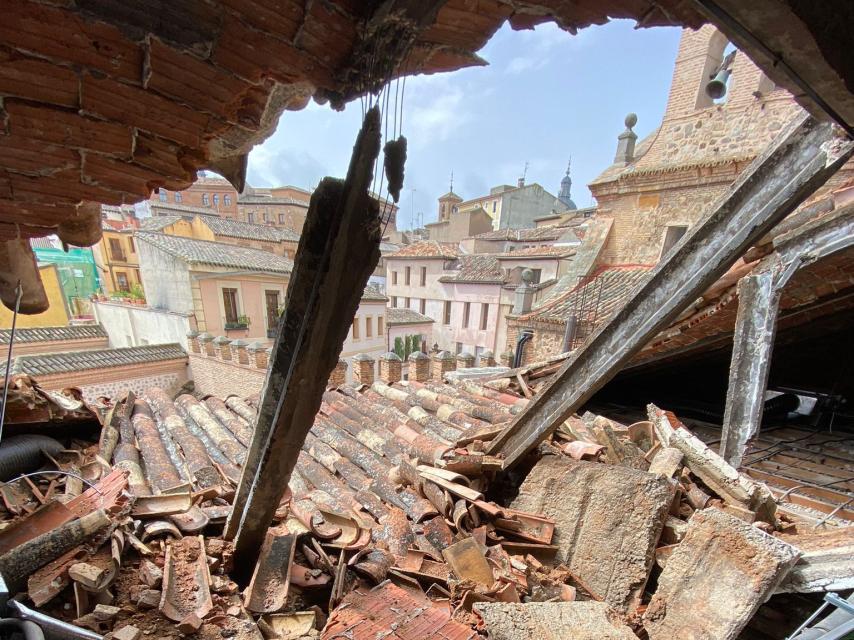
[{"x": 566, "y": 188}]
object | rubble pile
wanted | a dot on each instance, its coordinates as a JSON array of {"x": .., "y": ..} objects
[{"x": 387, "y": 528}]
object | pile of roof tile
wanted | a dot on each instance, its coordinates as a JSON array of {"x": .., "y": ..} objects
[{"x": 386, "y": 529}]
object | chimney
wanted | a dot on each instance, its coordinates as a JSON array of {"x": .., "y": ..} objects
[
  {"x": 419, "y": 366},
  {"x": 524, "y": 294},
  {"x": 442, "y": 363},
  {"x": 363, "y": 369},
  {"x": 391, "y": 368},
  {"x": 521, "y": 182},
  {"x": 626, "y": 141},
  {"x": 338, "y": 377},
  {"x": 205, "y": 340}
]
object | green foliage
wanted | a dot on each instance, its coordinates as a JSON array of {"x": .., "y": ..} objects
[
  {"x": 399, "y": 348},
  {"x": 136, "y": 292}
]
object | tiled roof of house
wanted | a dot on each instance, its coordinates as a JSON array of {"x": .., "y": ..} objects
[
  {"x": 54, "y": 334},
  {"x": 372, "y": 294},
  {"x": 476, "y": 268},
  {"x": 428, "y": 249},
  {"x": 157, "y": 223},
  {"x": 46, "y": 364},
  {"x": 217, "y": 253},
  {"x": 186, "y": 211},
  {"x": 237, "y": 229},
  {"x": 551, "y": 251},
  {"x": 537, "y": 234},
  {"x": 394, "y": 316},
  {"x": 612, "y": 287},
  {"x": 259, "y": 200}
]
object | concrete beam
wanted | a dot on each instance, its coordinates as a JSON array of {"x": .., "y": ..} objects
[
  {"x": 338, "y": 251},
  {"x": 758, "y": 305},
  {"x": 800, "y": 160},
  {"x": 752, "y": 344}
]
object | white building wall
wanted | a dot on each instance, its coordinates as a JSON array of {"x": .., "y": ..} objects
[{"x": 131, "y": 326}]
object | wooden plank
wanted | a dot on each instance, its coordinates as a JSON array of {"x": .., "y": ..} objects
[
  {"x": 794, "y": 165},
  {"x": 338, "y": 251}
]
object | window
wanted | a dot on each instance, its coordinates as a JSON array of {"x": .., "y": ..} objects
[
  {"x": 380, "y": 326},
  {"x": 422, "y": 306},
  {"x": 281, "y": 218},
  {"x": 394, "y": 278},
  {"x": 216, "y": 199},
  {"x": 116, "y": 251},
  {"x": 266, "y": 217},
  {"x": 162, "y": 195},
  {"x": 122, "y": 281},
  {"x": 250, "y": 217},
  {"x": 130, "y": 244},
  {"x": 394, "y": 302},
  {"x": 493, "y": 205},
  {"x": 206, "y": 200},
  {"x": 484, "y": 316},
  {"x": 226, "y": 200},
  {"x": 671, "y": 237},
  {"x": 459, "y": 348},
  {"x": 466, "y": 314},
  {"x": 446, "y": 318},
  {"x": 178, "y": 196},
  {"x": 229, "y": 304},
  {"x": 406, "y": 306},
  {"x": 369, "y": 327},
  {"x": 406, "y": 279},
  {"x": 355, "y": 328},
  {"x": 423, "y": 276}
]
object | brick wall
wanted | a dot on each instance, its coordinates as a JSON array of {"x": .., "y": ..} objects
[
  {"x": 114, "y": 381},
  {"x": 222, "y": 378}
]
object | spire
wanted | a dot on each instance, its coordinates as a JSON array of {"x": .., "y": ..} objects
[
  {"x": 566, "y": 188},
  {"x": 451, "y": 190}
]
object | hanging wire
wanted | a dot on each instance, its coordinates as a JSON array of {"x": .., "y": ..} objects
[{"x": 18, "y": 293}]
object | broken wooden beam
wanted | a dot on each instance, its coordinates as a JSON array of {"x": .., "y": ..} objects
[
  {"x": 752, "y": 344},
  {"x": 799, "y": 161},
  {"x": 338, "y": 250}
]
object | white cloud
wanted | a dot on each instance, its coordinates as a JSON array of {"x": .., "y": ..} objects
[
  {"x": 434, "y": 115},
  {"x": 523, "y": 64}
]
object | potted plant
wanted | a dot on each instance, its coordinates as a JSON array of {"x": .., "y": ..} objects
[{"x": 242, "y": 322}]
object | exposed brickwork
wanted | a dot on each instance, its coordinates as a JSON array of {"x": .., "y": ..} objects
[
  {"x": 258, "y": 354},
  {"x": 465, "y": 360},
  {"x": 442, "y": 363},
  {"x": 206, "y": 344},
  {"x": 419, "y": 366},
  {"x": 193, "y": 342},
  {"x": 338, "y": 377},
  {"x": 114, "y": 381},
  {"x": 363, "y": 369},
  {"x": 391, "y": 368},
  {"x": 222, "y": 379},
  {"x": 222, "y": 348},
  {"x": 239, "y": 352}
]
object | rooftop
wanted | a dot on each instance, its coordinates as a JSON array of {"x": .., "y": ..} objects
[
  {"x": 54, "y": 334},
  {"x": 70, "y": 361},
  {"x": 552, "y": 251},
  {"x": 218, "y": 254},
  {"x": 372, "y": 294},
  {"x": 262, "y": 199},
  {"x": 237, "y": 229},
  {"x": 546, "y": 233},
  {"x": 396, "y": 316},
  {"x": 476, "y": 268},
  {"x": 161, "y": 208},
  {"x": 612, "y": 286},
  {"x": 428, "y": 249},
  {"x": 158, "y": 223}
]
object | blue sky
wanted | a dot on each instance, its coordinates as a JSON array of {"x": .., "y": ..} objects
[{"x": 545, "y": 96}]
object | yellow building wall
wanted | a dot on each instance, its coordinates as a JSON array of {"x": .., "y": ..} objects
[
  {"x": 56, "y": 314},
  {"x": 180, "y": 228},
  {"x": 201, "y": 231}
]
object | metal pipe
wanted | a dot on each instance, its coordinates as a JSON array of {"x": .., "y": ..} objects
[
  {"x": 526, "y": 336},
  {"x": 54, "y": 628},
  {"x": 29, "y": 629}
]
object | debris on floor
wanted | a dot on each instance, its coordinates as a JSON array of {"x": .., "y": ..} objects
[{"x": 397, "y": 524}]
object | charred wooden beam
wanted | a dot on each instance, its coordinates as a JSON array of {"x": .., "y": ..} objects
[
  {"x": 338, "y": 251},
  {"x": 799, "y": 161}
]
